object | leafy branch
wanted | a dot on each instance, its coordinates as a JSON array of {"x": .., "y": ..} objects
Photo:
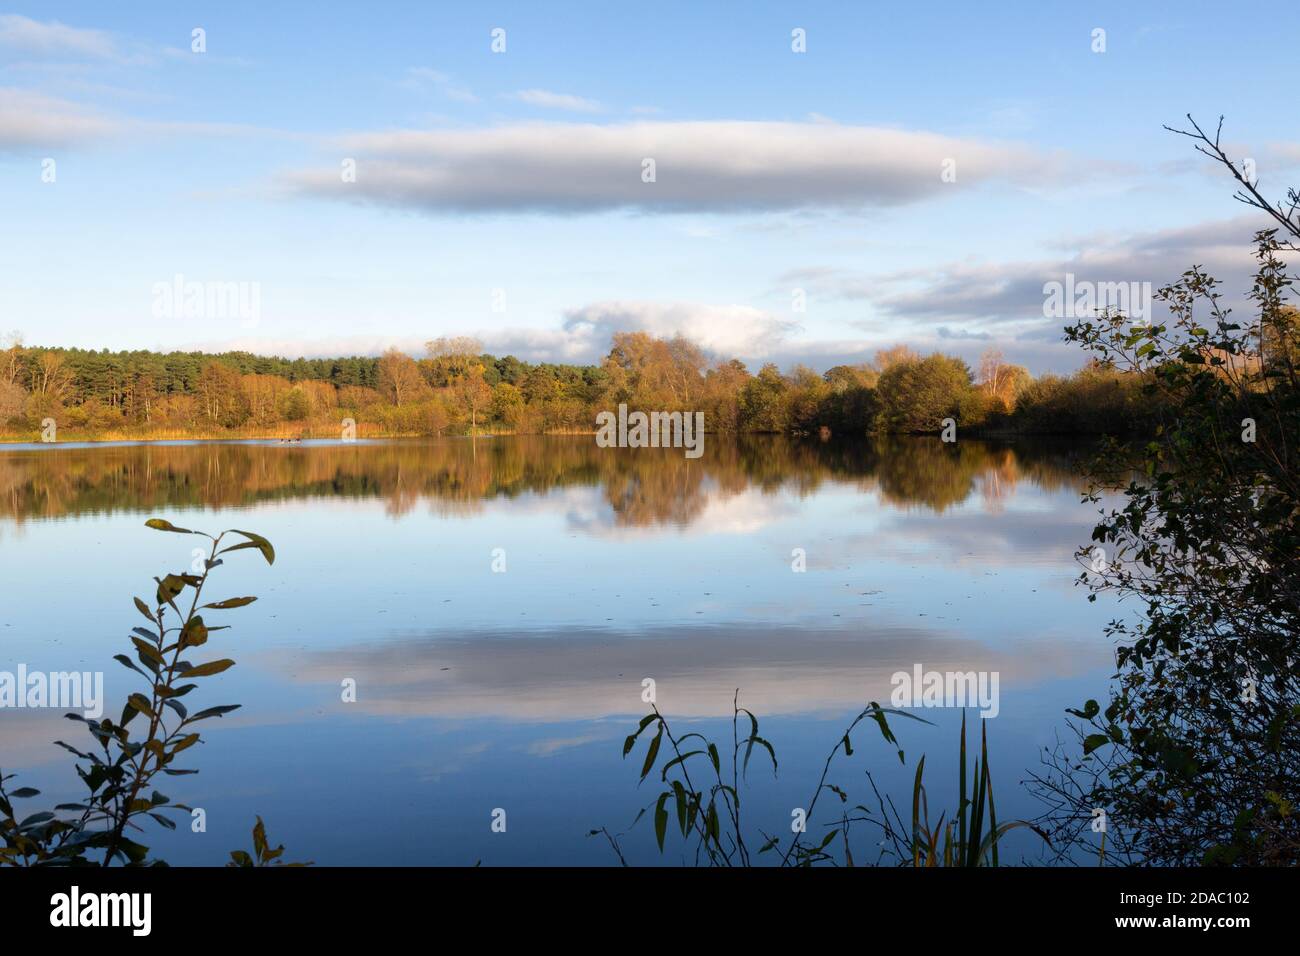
[{"x": 120, "y": 772}]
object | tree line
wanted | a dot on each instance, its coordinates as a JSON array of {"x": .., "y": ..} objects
[{"x": 457, "y": 388}]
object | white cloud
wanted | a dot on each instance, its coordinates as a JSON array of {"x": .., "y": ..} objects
[
  {"x": 713, "y": 166},
  {"x": 423, "y": 77},
  {"x": 424, "y": 73},
  {"x": 557, "y": 101},
  {"x": 459, "y": 94},
  {"x": 583, "y": 336},
  {"x": 965, "y": 306},
  {"x": 996, "y": 293},
  {"x": 722, "y": 330},
  {"x": 31, "y": 120},
  {"x": 534, "y": 345},
  {"x": 53, "y": 38},
  {"x": 1013, "y": 292},
  {"x": 1286, "y": 155},
  {"x": 584, "y": 344}
]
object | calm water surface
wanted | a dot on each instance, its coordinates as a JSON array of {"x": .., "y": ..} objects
[{"x": 480, "y": 690}]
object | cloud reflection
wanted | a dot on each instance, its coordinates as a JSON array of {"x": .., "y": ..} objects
[{"x": 590, "y": 673}]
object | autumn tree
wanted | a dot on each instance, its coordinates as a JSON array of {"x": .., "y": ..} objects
[
  {"x": 139, "y": 392},
  {"x": 399, "y": 378},
  {"x": 917, "y": 396},
  {"x": 806, "y": 394},
  {"x": 264, "y": 393},
  {"x": 50, "y": 377},
  {"x": 450, "y": 357},
  {"x": 1000, "y": 381},
  {"x": 472, "y": 394},
  {"x": 11, "y": 359},
  {"x": 1279, "y": 336},
  {"x": 296, "y": 404},
  {"x": 842, "y": 378},
  {"x": 13, "y": 398},
  {"x": 654, "y": 373},
  {"x": 720, "y": 397},
  {"x": 222, "y": 396},
  {"x": 851, "y": 406},
  {"x": 50, "y": 385},
  {"x": 508, "y": 404},
  {"x": 895, "y": 355},
  {"x": 762, "y": 402},
  {"x": 458, "y": 365}
]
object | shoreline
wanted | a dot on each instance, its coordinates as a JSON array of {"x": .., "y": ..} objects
[
  {"x": 972, "y": 433},
  {"x": 332, "y": 436}
]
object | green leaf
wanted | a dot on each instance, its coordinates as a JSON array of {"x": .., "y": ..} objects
[
  {"x": 126, "y": 662},
  {"x": 680, "y": 792},
  {"x": 212, "y": 712},
  {"x": 259, "y": 839},
  {"x": 652, "y": 753},
  {"x": 630, "y": 742},
  {"x": 208, "y": 669},
  {"x": 148, "y": 662},
  {"x": 771, "y": 753},
  {"x": 144, "y": 609},
  {"x": 676, "y": 760},
  {"x": 134, "y": 851},
  {"x": 169, "y": 587},
  {"x": 1093, "y": 741},
  {"x": 1090, "y": 710},
  {"x": 254, "y": 541},
  {"x": 73, "y": 750},
  {"x": 158, "y": 524},
  {"x": 148, "y": 650},
  {"x": 230, "y": 602},
  {"x": 661, "y": 819},
  {"x": 195, "y": 633}
]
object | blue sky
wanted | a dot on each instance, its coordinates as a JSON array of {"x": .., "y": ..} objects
[{"x": 500, "y": 195}]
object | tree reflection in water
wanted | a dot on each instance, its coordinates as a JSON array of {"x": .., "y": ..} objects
[{"x": 644, "y": 487}]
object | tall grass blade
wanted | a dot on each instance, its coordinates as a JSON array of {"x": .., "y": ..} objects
[
  {"x": 961, "y": 786},
  {"x": 916, "y": 812}
]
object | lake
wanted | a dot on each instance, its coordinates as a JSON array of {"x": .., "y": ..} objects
[{"x": 499, "y": 602}]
